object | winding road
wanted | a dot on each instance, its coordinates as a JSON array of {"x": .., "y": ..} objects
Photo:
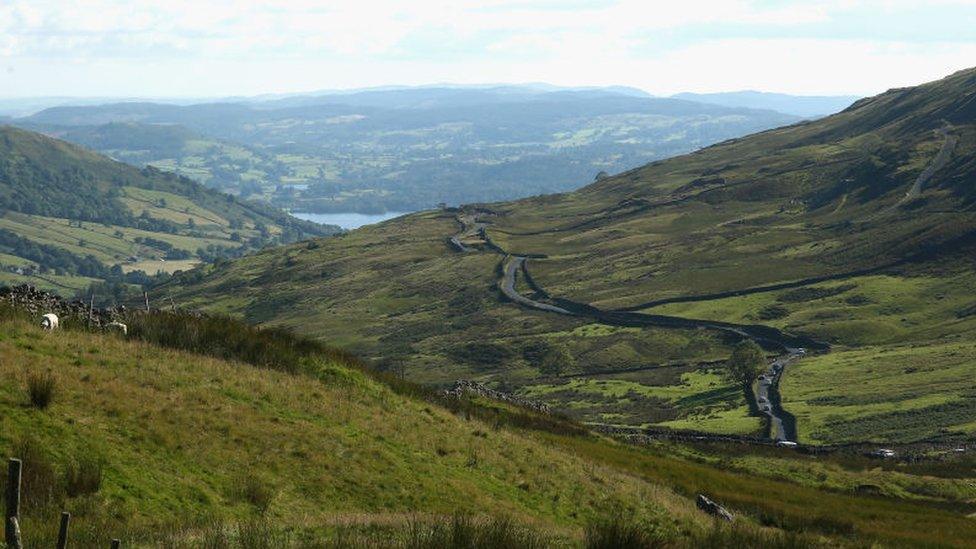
[
  {"x": 937, "y": 163},
  {"x": 473, "y": 237},
  {"x": 791, "y": 347}
]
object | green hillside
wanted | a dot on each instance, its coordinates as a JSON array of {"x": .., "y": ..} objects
[
  {"x": 280, "y": 442},
  {"x": 860, "y": 224},
  {"x": 69, "y": 216}
]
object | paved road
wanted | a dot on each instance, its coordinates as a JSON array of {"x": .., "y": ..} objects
[
  {"x": 935, "y": 165},
  {"x": 471, "y": 228},
  {"x": 768, "y": 382},
  {"x": 512, "y": 264},
  {"x": 507, "y": 284}
]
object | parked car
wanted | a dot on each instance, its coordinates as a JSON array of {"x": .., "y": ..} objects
[
  {"x": 883, "y": 453},
  {"x": 786, "y": 443}
]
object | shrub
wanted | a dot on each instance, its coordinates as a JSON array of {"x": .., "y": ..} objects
[
  {"x": 82, "y": 477},
  {"x": 41, "y": 387}
]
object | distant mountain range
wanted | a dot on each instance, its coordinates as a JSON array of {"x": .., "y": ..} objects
[
  {"x": 402, "y": 149},
  {"x": 805, "y": 106}
]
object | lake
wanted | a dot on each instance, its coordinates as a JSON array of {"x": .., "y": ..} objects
[{"x": 347, "y": 220}]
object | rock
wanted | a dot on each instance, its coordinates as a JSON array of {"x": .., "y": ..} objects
[
  {"x": 464, "y": 386},
  {"x": 713, "y": 508}
]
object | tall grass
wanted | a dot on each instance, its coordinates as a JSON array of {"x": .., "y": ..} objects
[
  {"x": 464, "y": 532},
  {"x": 279, "y": 349},
  {"x": 83, "y": 476},
  {"x": 232, "y": 339},
  {"x": 41, "y": 387}
]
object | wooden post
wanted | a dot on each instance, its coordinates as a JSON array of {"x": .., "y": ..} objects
[
  {"x": 146, "y": 295},
  {"x": 116, "y": 544},
  {"x": 63, "y": 531},
  {"x": 12, "y": 502},
  {"x": 91, "y": 308},
  {"x": 13, "y": 534}
]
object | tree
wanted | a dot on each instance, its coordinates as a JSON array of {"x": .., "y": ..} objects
[
  {"x": 551, "y": 359},
  {"x": 555, "y": 361},
  {"x": 746, "y": 363}
]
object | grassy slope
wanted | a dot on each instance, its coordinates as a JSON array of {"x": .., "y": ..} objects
[
  {"x": 812, "y": 199},
  {"x": 180, "y": 435},
  {"x": 396, "y": 292}
]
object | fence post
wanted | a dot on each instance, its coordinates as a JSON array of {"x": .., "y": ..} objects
[
  {"x": 63, "y": 530},
  {"x": 116, "y": 544},
  {"x": 12, "y": 502}
]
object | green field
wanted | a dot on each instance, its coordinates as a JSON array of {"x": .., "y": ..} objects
[{"x": 898, "y": 393}]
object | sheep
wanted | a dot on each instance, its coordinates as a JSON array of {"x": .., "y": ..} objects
[
  {"x": 117, "y": 326},
  {"x": 49, "y": 321}
]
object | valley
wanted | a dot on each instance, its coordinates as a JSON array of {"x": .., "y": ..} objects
[
  {"x": 505, "y": 275},
  {"x": 800, "y": 230}
]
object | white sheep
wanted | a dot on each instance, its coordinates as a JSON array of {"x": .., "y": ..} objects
[
  {"x": 117, "y": 326},
  {"x": 49, "y": 321}
]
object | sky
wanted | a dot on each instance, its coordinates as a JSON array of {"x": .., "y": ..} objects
[{"x": 213, "y": 48}]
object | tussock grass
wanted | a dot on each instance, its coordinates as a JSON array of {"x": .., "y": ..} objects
[
  {"x": 83, "y": 476},
  {"x": 41, "y": 388}
]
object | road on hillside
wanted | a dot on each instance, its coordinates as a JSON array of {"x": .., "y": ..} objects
[
  {"x": 937, "y": 163},
  {"x": 765, "y": 335},
  {"x": 769, "y": 382},
  {"x": 507, "y": 286},
  {"x": 471, "y": 228}
]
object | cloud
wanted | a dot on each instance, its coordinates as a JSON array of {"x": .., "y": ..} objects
[{"x": 661, "y": 46}]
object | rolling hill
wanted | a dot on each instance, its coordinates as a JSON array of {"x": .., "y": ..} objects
[
  {"x": 402, "y": 149},
  {"x": 69, "y": 217},
  {"x": 806, "y": 106},
  {"x": 854, "y": 231}
]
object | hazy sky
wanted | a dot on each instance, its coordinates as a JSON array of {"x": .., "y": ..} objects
[{"x": 241, "y": 47}]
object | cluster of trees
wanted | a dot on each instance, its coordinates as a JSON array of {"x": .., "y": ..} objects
[
  {"x": 52, "y": 258},
  {"x": 171, "y": 251}
]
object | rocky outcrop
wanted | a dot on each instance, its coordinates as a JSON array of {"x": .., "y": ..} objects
[
  {"x": 466, "y": 387},
  {"x": 713, "y": 508}
]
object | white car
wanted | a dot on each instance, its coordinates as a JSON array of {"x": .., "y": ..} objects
[{"x": 786, "y": 443}]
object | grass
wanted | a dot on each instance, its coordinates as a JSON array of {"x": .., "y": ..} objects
[
  {"x": 906, "y": 393},
  {"x": 175, "y": 430},
  {"x": 682, "y": 397},
  {"x": 784, "y": 504},
  {"x": 172, "y": 431},
  {"x": 41, "y": 388}
]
